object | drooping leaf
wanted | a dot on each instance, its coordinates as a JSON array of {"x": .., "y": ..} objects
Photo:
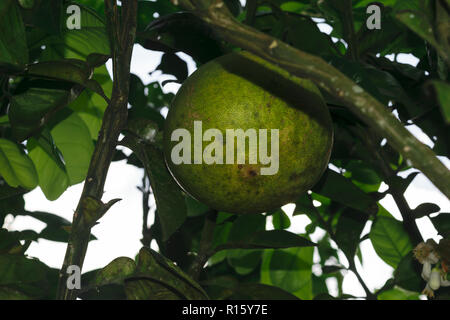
[
  {"x": 90, "y": 106},
  {"x": 16, "y": 167},
  {"x": 72, "y": 137},
  {"x": 51, "y": 171}
]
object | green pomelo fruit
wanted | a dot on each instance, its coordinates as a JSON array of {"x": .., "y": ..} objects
[{"x": 242, "y": 91}]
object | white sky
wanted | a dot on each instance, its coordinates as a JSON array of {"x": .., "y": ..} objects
[{"x": 119, "y": 231}]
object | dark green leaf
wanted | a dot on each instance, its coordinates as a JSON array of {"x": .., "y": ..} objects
[
  {"x": 348, "y": 230},
  {"x": 33, "y": 108},
  {"x": 268, "y": 239},
  {"x": 174, "y": 65},
  {"x": 157, "y": 278},
  {"x": 425, "y": 209},
  {"x": 280, "y": 220},
  {"x": 342, "y": 190},
  {"x": 52, "y": 174},
  {"x": 13, "y": 46},
  {"x": 442, "y": 223},
  {"x": 289, "y": 269},
  {"x": 442, "y": 91},
  {"x": 257, "y": 291},
  {"x": 390, "y": 240},
  {"x": 407, "y": 274},
  {"x": 115, "y": 272}
]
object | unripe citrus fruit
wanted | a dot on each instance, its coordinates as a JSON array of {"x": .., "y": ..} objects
[{"x": 285, "y": 123}]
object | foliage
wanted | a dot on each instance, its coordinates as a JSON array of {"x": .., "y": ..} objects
[{"x": 54, "y": 89}]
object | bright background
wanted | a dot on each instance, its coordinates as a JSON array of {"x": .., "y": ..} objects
[{"x": 119, "y": 231}]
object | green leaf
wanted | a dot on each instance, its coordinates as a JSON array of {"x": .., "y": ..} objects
[
  {"x": 52, "y": 174},
  {"x": 90, "y": 106},
  {"x": 70, "y": 70},
  {"x": 348, "y": 230},
  {"x": 280, "y": 220},
  {"x": 243, "y": 261},
  {"x": 13, "y": 45},
  {"x": 418, "y": 22},
  {"x": 258, "y": 291},
  {"x": 116, "y": 271},
  {"x": 158, "y": 278},
  {"x": 16, "y": 167},
  {"x": 45, "y": 16},
  {"x": 342, "y": 190},
  {"x": 398, "y": 294},
  {"x": 18, "y": 269},
  {"x": 425, "y": 209},
  {"x": 78, "y": 43},
  {"x": 181, "y": 31},
  {"x": 268, "y": 239},
  {"x": 407, "y": 274},
  {"x": 11, "y": 239},
  {"x": 174, "y": 65},
  {"x": 442, "y": 223},
  {"x": 442, "y": 90},
  {"x": 57, "y": 228},
  {"x": 290, "y": 270},
  {"x": 390, "y": 240},
  {"x": 73, "y": 139},
  {"x": 194, "y": 207},
  {"x": 27, "y": 277},
  {"x": 31, "y": 109}
]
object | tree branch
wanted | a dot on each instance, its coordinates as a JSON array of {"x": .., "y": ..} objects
[
  {"x": 122, "y": 32},
  {"x": 215, "y": 14}
]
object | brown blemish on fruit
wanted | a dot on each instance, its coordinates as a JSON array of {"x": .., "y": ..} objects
[
  {"x": 240, "y": 166},
  {"x": 251, "y": 172}
]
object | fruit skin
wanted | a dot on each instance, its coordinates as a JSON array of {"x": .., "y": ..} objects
[{"x": 240, "y": 90}]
